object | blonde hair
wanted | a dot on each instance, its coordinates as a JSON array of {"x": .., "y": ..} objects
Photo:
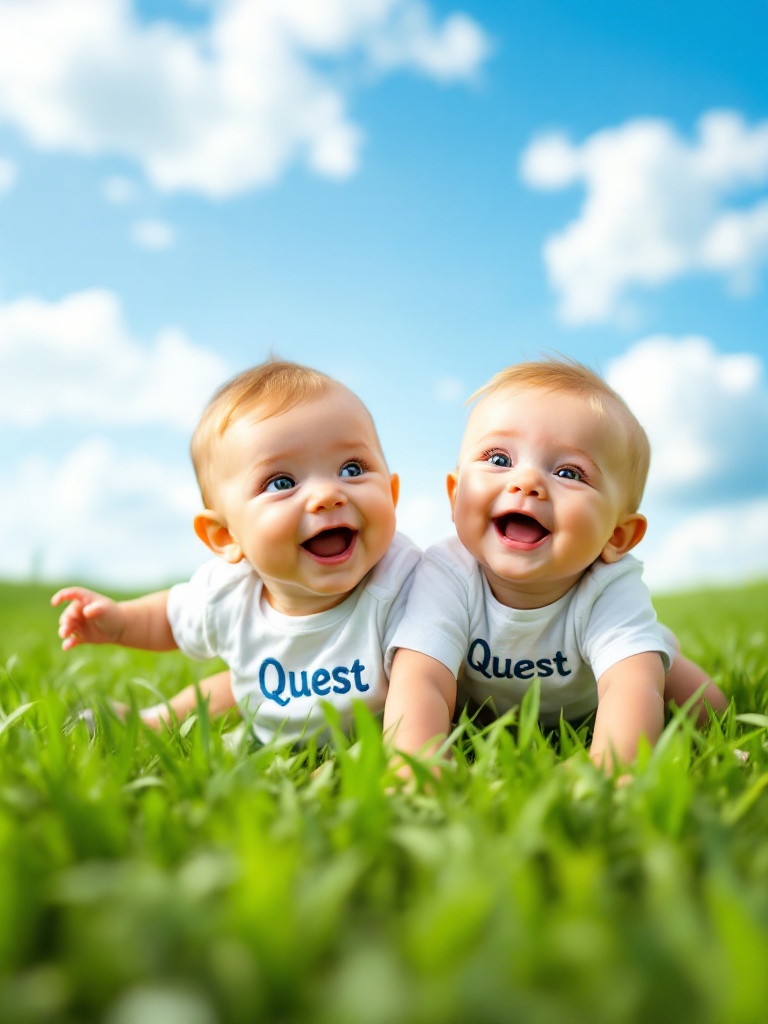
[
  {"x": 567, "y": 376},
  {"x": 272, "y": 387}
]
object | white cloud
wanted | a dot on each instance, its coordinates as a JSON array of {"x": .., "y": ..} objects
[
  {"x": 737, "y": 244},
  {"x": 425, "y": 518},
  {"x": 551, "y": 162},
  {"x": 102, "y": 516},
  {"x": 715, "y": 546},
  {"x": 153, "y": 234},
  {"x": 8, "y": 175},
  {"x": 706, "y": 415},
  {"x": 455, "y": 50},
  {"x": 76, "y": 359},
  {"x": 655, "y": 209},
  {"x": 221, "y": 108},
  {"x": 392, "y": 33}
]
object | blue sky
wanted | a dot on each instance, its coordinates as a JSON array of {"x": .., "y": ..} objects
[{"x": 408, "y": 194}]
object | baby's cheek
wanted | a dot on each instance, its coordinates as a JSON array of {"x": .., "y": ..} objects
[{"x": 467, "y": 511}]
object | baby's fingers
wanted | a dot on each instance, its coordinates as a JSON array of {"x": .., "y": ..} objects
[
  {"x": 84, "y": 604},
  {"x": 70, "y": 623},
  {"x": 70, "y": 641},
  {"x": 71, "y": 615},
  {"x": 72, "y": 594}
]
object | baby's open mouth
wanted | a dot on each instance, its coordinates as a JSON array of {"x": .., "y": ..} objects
[
  {"x": 520, "y": 529},
  {"x": 330, "y": 543}
]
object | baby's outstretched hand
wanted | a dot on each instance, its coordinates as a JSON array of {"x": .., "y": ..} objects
[{"x": 89, "y": 618}]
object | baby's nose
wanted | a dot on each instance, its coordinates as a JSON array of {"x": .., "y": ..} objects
[
  {"x": 528, "y": 481},
  {"x": 325, "y": 492}
]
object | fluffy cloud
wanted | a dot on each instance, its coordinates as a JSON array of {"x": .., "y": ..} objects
[
  {"x": 76, "y": 359},
  {"x": 706, "y": 414},
  {"x": 655, "y": 208},
  {"x": 223, "y": 107},
  {"x": 737, "y": 245},
  {"x": 102, "y": 516},
  {"x": 425, "y": 518},
  {"x": 715, "y": 546}
]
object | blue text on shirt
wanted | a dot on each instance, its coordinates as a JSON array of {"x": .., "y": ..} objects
[
  {"x": 482, "y": 659},
  {"x": 281, "y": 686}
]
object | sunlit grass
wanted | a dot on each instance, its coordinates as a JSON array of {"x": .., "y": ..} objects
[{"x": 193, "y": 876}]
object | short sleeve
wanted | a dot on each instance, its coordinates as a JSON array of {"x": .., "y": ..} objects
[
  {"x": 399, "y": 579},
  {"x": 188, "y": 614},
  {"x": 622, "y": 621},
  {"x": 436, "y": 617}
]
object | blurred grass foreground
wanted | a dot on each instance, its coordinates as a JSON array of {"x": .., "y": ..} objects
[{"x": 190, "y": 877}]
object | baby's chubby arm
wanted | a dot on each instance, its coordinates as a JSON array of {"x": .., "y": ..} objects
[
  {"x": 92, "y": 618},
  {"x": 420, "y": 702},
  {"x": 630, "y": 705}
]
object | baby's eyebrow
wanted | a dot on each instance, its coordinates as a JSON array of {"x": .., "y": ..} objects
[
  {"x": 345, "y": 448},
  {"x": 476, "y": 447},
  {"x": 579, "y": 453},
  {"x": 493, "y": 439},
  {"x": 273, "y": 459},
  {"x": 271, "y": 462},
  {"x": 359, "y": 446},
  {"x": 568, "y": 452}
]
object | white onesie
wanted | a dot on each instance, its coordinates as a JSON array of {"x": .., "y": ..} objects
[
  {"x": 284, "y": 666},
  {"x": 496, "y": 651}
]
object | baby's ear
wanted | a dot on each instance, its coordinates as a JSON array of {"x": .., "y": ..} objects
[
  {"x": 394, "y": 483},
  {"x": 215, "y": 535},
  {"x": 451, "y": 484},
  {"x": 628, "y": 532}
]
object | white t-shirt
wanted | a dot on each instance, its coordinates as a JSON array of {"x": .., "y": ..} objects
[
  {"x": 496, "y": 651},
  {"x": 283, "y": 666}
]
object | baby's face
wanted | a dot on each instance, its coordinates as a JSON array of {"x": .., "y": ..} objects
[
  {"x": 538, "y": 491},
  {"x": 308, "y": 499}
]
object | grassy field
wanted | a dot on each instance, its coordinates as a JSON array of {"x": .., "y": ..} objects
[{"x": 191, "y": 878}]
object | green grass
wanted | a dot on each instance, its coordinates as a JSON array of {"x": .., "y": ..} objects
[{"x": 184, "y": 878}]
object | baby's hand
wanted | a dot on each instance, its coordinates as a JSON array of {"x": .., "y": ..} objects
[{"x": 89, "y": 618}]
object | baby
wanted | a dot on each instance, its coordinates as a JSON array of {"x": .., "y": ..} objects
[
  {"x": 539, "y": 583},
  {"x": 310, "y": 578}
]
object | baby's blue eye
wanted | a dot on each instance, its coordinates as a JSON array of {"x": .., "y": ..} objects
[
  {"x": 499, "y": 459},
  {"x": 569, "y": 473},
  {"x": 280, "y": 483},
  {"x": 351, "y": 469}
]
